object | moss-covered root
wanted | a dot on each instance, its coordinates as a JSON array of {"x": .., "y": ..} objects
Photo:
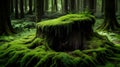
[
  {"x": 14, "y": 60},
  {"x": 39, "y": 57},
  {"x": 35, "y": 43}
]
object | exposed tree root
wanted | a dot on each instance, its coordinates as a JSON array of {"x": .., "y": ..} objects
[
  {"x": 21, "y": 56},
  {"x": 109, "y": 25}
]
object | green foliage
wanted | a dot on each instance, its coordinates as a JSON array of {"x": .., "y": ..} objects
[{"x": 22, "y": 25}]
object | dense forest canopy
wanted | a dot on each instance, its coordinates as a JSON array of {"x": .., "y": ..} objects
[{"x": 60, "y": 33}]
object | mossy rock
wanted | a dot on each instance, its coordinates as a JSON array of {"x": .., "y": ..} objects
[{"x": 68, "y": 32}]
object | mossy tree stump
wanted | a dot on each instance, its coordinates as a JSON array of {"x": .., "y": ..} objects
[
  {"x": 68, "y": 32},
  {"x": 71, "y": 33}
]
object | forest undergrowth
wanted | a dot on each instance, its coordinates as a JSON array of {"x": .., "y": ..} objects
[{"x": 14, "y": 51}]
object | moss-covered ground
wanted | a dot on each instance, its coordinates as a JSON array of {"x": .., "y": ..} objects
[{"x": 15, "y": 51}]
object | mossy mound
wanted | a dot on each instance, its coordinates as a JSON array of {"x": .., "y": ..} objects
[{"x": 68, "y": 32}]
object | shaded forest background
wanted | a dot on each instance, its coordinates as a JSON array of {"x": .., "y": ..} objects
[
  {"x": 23, "y": 35},
  {"x": 35, "y": 10}
]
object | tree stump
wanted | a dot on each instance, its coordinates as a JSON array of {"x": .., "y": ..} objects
[{"x": 67, "y": 33}]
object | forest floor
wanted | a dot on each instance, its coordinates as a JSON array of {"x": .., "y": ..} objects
[{"x": 26, "y": 31}]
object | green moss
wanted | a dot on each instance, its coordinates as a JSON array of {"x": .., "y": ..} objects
[
  {"x": 19, "y": 55},
  {"x": 36, "y": 42},
  {"x": 65, "y": 20},
  {"x": 14, "y": 59},
  {"x": 45, "y": 61},
  {"x": 26, "y": 58}
]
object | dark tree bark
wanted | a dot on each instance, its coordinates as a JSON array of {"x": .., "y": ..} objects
[
  {"x": 78, "y": 5},
  {"x": 66, "y": 6},
  {"x": 25, "y": 5},
  {"x": 116, "y": 9},
  {"x": 92, "y": 6},
  {"x": 34, "y": 3},
  {"x": 46, "y": 5},
  {"x": 103, "y": 5},
  {"x": 54, "y": 5},
  {"x": 30, "y": 7},
  {"x": 72, "y": 6},
  {"x": 16, "y": 9},
  {"x": 85, "y": 4},
  {"x": 11, "y": 6},
  {"x": 118, "y": 4},
  {"x": 39, "y": 9},
  {"x": 5, "y": 23},
  {"x": 21, "y": 9},
  {"x": 110, "y": 21}
]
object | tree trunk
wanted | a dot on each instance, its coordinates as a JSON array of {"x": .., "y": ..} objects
[
  {"x": 66, "y": 6},
  {"x": 11, "y": 6},
  {"x": 118, "y": 4},
  {"x": 110, "y": 21},
  {"x": 54, "y": 5},
  {"x": 30, "y": 7},
  {"x": 72, "y": 6},
  {"x": 86, "y": 5},
  {"x": 25, "y": 5},
  {"x": 92, "y": 6},
  {"x": 21, "y": 9},
  {"x": 39, "y": 10},
  {"x": 5, "y": 23},
  {"x": 103, "y": 5},
  {"x": 16, "y": 9},
  {"x": 46, "y": 5}
]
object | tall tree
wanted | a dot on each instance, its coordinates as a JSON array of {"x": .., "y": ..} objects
[
  {"x": 46, "y": 5},
  {"x": 72, "y": 5},
  {"x": 118, "y": 4},
  {"x": 25, "y": 6},
  {"x": 30, "y": 7},
  {"x": 5, "y": 23},
  {"x": 85, "y": 4},
  {"x": 16, "y": 9},
  {"x": 11, "y": 6},
  {"x": 54, "y": 5},
  {"x": 92, "y": 6},
  {"x": 110, "y": 21},
  {"x": 66, "y": 6},
  {"x": 39, "y": 9},
  {"x": 21, "y": 9}
]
